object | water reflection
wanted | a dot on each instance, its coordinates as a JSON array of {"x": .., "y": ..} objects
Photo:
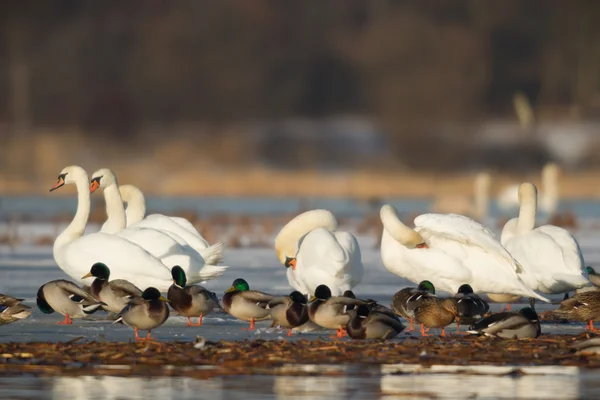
[{"x": 346, "y": 382}]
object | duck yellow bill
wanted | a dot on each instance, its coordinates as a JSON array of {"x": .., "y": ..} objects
[
  {"x": 88, "y": 275},
  {"x": 58, "y": 184},
  {"x": 312, "y": 299},
  {"x": 162, "y": 298},
  {"x": 231, "y": 289}
]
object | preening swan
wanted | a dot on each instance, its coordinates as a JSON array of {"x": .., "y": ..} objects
[
  {"x": 136, "y": 210},
  {"x": 550, "y": 256},
  {"x": 315, "y": 253},
  {"x": 449, "y": 250},
  {"x": 75, "y": 253},
  {"x": 475, "y": 206},
  {"x": 508, "y": 199},
  {"x": 167, "y": 246}
]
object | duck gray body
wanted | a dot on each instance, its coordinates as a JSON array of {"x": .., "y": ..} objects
[
  {"x": 143, "y": 314},
  {"x": 247, "y": 305},
  {"x": 509, "y": 325},
  {"x": 591, "y": 346},
  {"x": 331, "y": 313},
  {"x": 366, "y": 323},
  {"x": 192, "y": 301},
  {"x": 12, "y": 310},
  {"x": 114, "y": 294},
  {"x": 66, "y": 298},
  {"x": 470, "y": 308},
  {"x": 288, "y": 313}
]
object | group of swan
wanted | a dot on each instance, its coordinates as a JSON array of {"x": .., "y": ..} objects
[
  {"x": 451, "y": 249},
  {"x": 137, "y": 249},
  {"x": 477, "y": 205}
]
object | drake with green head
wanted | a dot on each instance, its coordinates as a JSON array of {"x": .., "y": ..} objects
[
  {"x": 593, "y": 276},
  {"x": 114, "y": 294},
  {"x": 12, "y": 310},
  {"x": 367, "y": 323},
  {"x": 245, "y": 304},
  {"x": 289, "y": 311},
  {"x": 509, "y": 325},
  {"x": 400, "y": 301},
  {"x": 330, "y": 311},
  {"x": 146, "y": 312},
  {"x": 190, "y": 301},
  {"x": 66, "y": 298}
]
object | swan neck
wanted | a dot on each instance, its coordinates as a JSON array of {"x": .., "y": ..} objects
[
  {"x": 115, "y": 210},
  {"x": 77, "y": 226},
  {"x": 396, "y": 229},
  {"x": 527, "y": 211},
  {"x": 482, "y": 200}
]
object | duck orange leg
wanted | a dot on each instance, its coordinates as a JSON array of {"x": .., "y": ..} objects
[
  {"x": 199, "y": 321},
  {"x": 341, "y": 333},
  {"x": 423, "y": 331},
  {"x": 189, "y": 321},
  {"x": 443, "y": 334},
  {"x": 251, "y": 328},
  {"x": 67, "y": 321},
  {"x": 411, "y": 325},
  {"x": 591, "y": 328},
  {"x": 290, "y": 332}
]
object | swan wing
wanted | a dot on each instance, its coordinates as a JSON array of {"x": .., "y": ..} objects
[
  {"x": 572, "y": 255},
  {"x": 463, "y": 230},
  {"x": 168, "y": 224},
  {"x": 125, "y": 259}
]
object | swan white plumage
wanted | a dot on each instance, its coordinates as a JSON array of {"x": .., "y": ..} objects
[
  {"x": 75, "y": 253},
  {"x": 475, "y": 206},
  {"x": 550, "y": 256},
  {"x": 136, "y": 210},
  {"x": 170, "y": 248},
  {"x": 315, "y": 253},
  {"x": 449, "y": 250},
  {"x": 508, "y": 199}
]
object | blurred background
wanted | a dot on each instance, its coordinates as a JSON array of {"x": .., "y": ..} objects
[{"x": 330, "y": 98}]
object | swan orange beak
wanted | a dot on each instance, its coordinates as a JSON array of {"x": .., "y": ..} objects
[
  {"x": 94, "y": 184},
  {"x": 61, "y": 182},
  {"x": 290, "y": 262},
  {"x": 422, "y": 246}
]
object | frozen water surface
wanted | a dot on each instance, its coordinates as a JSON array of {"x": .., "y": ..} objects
[{"x": 23, "y": 269}]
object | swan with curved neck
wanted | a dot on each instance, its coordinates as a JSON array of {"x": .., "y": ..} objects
[
  {"x": 167, "y": 246},
  {"x": 136, "y": 203},
  {"x": 548, "y": 198},
  {"x": 476, "y": 207},
  {"x": 75, "y": 253},
  {"x": 314, "y": 253},
  {"x": 550, "y": 256},
  {"x": 449, "y": 250}
]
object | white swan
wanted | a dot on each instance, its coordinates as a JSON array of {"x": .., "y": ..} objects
[
  {"x": 170, "y": 248},
  {"x": 75, "y": 253},
  {"x": 475, "y": 206},
  {"x": 136, "y": 210},
  {"x": 449, "y": 250},
  {"x": 550, "y": 256},
  {"x": 315, "y": 253},
  {"x": 508, "y": 199}
]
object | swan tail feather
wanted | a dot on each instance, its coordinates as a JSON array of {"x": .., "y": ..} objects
[
  {"x": 213, "y": 255},
  {"x": 207, "y": 273}
]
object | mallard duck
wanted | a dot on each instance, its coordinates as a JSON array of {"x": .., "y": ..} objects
[
  {"x": 12, "y": 310},
  {"x": 66, "y": 298},
  {"x": 146, "y": 312},
  {"x": 593, "y": 276},
  {"x": 435, "y": 312},
  {"x": 401, "y": 299},
  {"x": 583, "y": 307},
  {"x": 330, "y": 312},
  {"x": 190, "y": 301},
  {"x": 590, "y": 346},
  {"x": 289, "y": 311},
  {"x": 509, "y": 325},
  {"x": 470, "y": 306},
  {"x": 114, "y": 294},
  {"x": 245, "y": 304},
  {"x": 370, "y": 324}
]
